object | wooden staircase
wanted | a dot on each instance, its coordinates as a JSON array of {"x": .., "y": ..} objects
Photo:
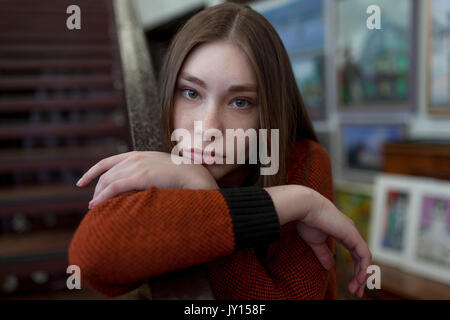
[{"x": 62, "y": 109}]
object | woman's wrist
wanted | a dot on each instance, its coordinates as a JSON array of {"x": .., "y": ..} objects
[
  {"x": 291, "y": 201},
  {"x": 201, "y": 179}
]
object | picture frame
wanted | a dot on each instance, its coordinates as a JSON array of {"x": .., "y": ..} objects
[
  {"x": 430, "y": 245},
  {"x": 361, "y": 146},
  {"x": 411, "y": 231},
  {"x": 438, "y": 57},
  {"x": 299, "y": 23},
  {"x": 374, "y": 74},
  {"x": 393, "y": 205}
]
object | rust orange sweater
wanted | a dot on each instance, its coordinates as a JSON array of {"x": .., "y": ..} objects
[{"x": 124, "y": 241}]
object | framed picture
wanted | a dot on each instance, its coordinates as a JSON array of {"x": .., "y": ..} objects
[
  {"x": 438, "y": 56},
  {"x": 373, "y": 66},
  {"x": 309, "y": 75},
  {"x": 392, "y": 211},
  {"x": 299, "y": 23},
  {"x": 431, "y": 232},
  {"x": 361, "y": 147},
  {"x": 410, "y": 225}
]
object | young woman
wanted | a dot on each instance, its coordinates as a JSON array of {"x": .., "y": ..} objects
[{"x": 260, "y": 236}]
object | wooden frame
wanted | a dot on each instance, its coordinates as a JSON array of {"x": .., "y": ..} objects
[{"x": 432, "y": 110}]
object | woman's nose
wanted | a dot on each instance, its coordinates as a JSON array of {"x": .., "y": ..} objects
[{"x": 211, "y": 117}]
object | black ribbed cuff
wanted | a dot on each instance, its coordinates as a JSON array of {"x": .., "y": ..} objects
[{"x": 255, "y": 221}]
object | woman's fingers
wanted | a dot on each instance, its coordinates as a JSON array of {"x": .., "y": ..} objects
[
  {"x": 119, "y": 171},
  {"x": 345, "y": 231},
  {"x": 361, "y": 291},
  {"x": 353, "y": 286},
  {"x": 365, "y": 259},
  {"x": 101, "y": 166},
  {"x": 113, "y": 189}
]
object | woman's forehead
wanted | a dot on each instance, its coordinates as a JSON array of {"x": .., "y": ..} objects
[{"x": 222, "y": 59}]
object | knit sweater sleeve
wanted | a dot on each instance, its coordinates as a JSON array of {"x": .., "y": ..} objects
[
  {"x": 134, "y": 236},
  {"x": 286, "y": 268}
]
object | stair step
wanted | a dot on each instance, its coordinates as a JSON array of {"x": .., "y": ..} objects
[
  {"x": 104, "y": 128},
  {"x": 53, "y": 158},
  {"x": 100, "y": 101},
  {"x": 55, "y": 50},
  {"x": 61, "y": 64},
  {"x": 40, "y": 200},
  {"x": 14, "y": 83}
]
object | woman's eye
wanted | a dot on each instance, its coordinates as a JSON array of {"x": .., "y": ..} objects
[
  {"x": 191, "y": 94},
  {"x": 241, "y": 103}
]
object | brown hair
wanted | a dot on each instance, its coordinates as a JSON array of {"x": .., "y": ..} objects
[{"x": 279, "y": 100}]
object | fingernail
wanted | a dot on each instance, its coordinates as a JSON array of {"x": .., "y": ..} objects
[{"x": 79, "y": 182}]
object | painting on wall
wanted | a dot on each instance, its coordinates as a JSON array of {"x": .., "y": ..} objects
[
  {"x": 299, "y": 24},
  {"x": 431, "y": 232},
  {"x": 362, "y": 147},
  {"x": 309, "y": 75},
  {"x": 374, "y": 67},
  {"x": 439, "y": 57},
  {"x": 394, "y": 218},
  {"x": 391, "y": 214}
]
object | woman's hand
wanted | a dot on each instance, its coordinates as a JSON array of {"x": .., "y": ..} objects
[
  {"x": 138, "y": 170},
  {"x": 317, "y": 217}
]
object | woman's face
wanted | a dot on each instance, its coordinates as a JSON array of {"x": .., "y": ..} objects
[{"x": 217, "y": 86}]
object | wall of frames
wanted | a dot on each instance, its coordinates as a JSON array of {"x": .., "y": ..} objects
[{"x": 364, "y": 87}]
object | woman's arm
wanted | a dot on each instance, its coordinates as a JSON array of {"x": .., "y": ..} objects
[
  {"x": 137, "y": 235},
  {"x": 289, "y": 268}
]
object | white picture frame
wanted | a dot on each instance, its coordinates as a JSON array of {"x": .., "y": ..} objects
[
  {"x": 391, "y": 247},
  {"x": 415, "y": 190},
  {"x": 430, "y": 235}
]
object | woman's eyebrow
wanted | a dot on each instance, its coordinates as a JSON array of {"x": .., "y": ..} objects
[{"x": 201, "y": 83}]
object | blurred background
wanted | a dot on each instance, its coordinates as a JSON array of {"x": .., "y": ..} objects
[{"x": 379, "y": 100}]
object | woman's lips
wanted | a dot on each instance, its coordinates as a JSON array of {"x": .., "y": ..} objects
[{"x": 199, "y": 156}]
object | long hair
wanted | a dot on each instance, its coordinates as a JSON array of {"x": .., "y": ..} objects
[{"x": 279, "y": 99}]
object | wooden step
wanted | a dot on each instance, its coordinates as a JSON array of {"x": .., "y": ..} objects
[
  {"x": 55, "y": 50},
  {"x": 23, "y": 266},
  {"x": 33, "y": 194},
  {"x": 104, "y": 128},
  {"x": 41, "y": 200},
  {"x": 60, "y": 37},
  {"x": 53, "y": 158},
  {"x": 34, "y": 243},
  {"x": 18, "y": 83},
  {"x": 19, "y": 65},
  {"x": 98, "y": 102}
]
